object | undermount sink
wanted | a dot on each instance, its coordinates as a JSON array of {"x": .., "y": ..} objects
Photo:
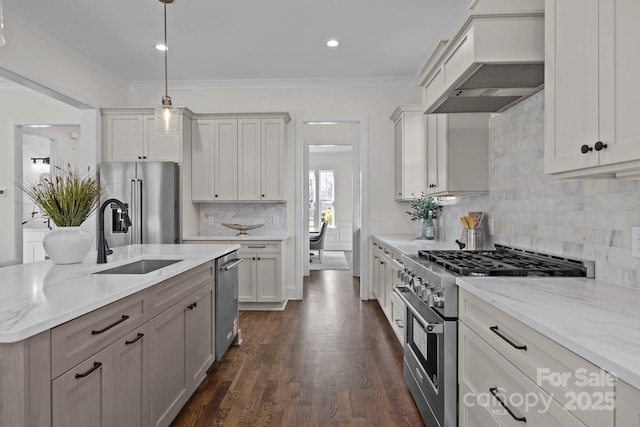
[{"x": 143, "y": 266}]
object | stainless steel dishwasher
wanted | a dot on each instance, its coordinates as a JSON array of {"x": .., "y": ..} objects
[{"x": 226, "y": 301}]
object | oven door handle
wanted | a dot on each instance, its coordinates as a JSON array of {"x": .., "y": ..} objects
[{"x": 431, "y": 328}]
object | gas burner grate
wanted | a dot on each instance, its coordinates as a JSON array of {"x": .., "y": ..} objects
[{"x": 504, "y": 262}]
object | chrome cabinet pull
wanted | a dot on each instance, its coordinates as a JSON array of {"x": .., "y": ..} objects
[
  {"x": 257, "y": 246},
  {"x": 399, "y": 323},
  {"x": 493, "y": 390},
  {"x": 138, "y": 338},
  {"x": 95, "y": 366},
  {"x": 106, "y": 328},
  {"x": 494, "y": 329}
]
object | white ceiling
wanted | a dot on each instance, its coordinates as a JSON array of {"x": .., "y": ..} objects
[{"x": 243, "y": 40}]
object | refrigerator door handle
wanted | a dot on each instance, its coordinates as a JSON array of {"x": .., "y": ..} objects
[
  {"x": 133, "y": 213},
  {"x": 138, "y": 213}
]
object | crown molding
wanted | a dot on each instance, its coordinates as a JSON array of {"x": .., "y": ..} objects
[{"x": 277, "y": 83}]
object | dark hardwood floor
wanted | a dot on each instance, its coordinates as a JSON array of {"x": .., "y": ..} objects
[{"x": 328, "y": 360}]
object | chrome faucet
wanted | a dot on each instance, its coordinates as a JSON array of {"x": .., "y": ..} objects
[{"x": 103, "y": 247}]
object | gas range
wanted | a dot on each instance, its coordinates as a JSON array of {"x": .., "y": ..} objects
[
  {"x": 431, "y": 274},
  {"x": 431, "y": 298}
]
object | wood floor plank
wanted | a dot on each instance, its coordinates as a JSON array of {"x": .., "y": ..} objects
[{"x": 328, "y": 360}]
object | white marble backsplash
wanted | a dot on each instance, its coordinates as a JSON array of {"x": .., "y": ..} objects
[
  {"x": 272, "y": 215},
  {"x": 579, "y": 218}
]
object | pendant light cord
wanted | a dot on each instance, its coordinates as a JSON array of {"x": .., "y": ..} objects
[{"x": 166, "y": 48}]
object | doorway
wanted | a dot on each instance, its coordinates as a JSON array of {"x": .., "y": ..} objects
[{"x": 351, "y": 133}]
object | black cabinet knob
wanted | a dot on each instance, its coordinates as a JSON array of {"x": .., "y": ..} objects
[
  {"x": 140, "y": 157},
  {"x": 600, "y": 146},
  {"x": 585, "y": 149}
]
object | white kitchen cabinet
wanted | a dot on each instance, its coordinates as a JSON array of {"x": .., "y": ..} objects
[
  {"x": 627, "y": 405},
  {"x": 457, "y": 154},
  {"x": 398, "y": 317},
  {"x": 495, "y": 391},
  {"x": 260, "y": 273},
  {"x": 490, "y": 340},
  {"x": 214, "y": 160},
  {"x": 386, "y": 263},
  {"x": 32, "y": 249},
  {"x": 239, "y": 157},
  {"x": 129, "y": 135},
  {"x": 410, "y": 142},
  {"x": 591, "y": 88}
]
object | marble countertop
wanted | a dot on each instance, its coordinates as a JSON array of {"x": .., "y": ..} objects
[
  {"x": 41, "y": 295},
  {"x": 406, "y": 243},
  {"x": 233, "y": 237},
  {"x": 598, "y": 321}
]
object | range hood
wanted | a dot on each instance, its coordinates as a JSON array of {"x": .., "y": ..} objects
[{"x": 493, "y": 63}]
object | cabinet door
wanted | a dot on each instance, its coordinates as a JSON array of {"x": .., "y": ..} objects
[
  {"x": 619, "y": 82},
  {"x": 167, "y": 375},
  {"x": 124, "y": 137},
  {"x": 571, "y": 84},
  {"x": 627, "y": 411},
  {"x": 247, "y": 278},
  {"x": 199, "y": 336},
  {"x": 392, "y": 272},
  {"x": 226, "y": 159},
  {"x": 249, "y": 159},
  {"x": 158, "y": 147},
  {"x": 79, "y": 397},
  {"x": 382, "y": 277},
  {"x": 129, "y": 389},
  {"x": 398, "y": 317},
  {"x": 436, "y": 153},
  {"x": 399, "y": 155},
  {"x": 273, "y": 159},
  {"x": 268, "y": 278},
  {"x": 202, "y": 158}
]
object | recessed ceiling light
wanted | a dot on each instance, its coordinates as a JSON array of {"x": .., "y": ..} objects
[
  {"x": 161, "y": 47},
  {"x": 333, "y": 43}
]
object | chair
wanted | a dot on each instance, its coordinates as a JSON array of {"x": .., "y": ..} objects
[{"x": 316, "y": 243}]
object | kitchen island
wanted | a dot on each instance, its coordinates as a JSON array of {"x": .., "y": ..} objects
[{"x": 71, "y": 341}]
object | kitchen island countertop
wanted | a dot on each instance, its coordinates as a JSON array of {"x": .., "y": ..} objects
[
  {"x": 41, "y": 295},
  {"x": 598, "y": 321}
]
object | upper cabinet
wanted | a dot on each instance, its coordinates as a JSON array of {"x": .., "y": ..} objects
[
  {"x": 410, "y": 151},
  {"x": 129, "y": 135},
  {"x": 591, "y": 128},
  {"x": 239, "y": 157},
  {"x": 457, "y": 154}
]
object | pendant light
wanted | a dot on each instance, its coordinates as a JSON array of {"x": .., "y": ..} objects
[
  {"x": 167, "y": 116},
  {"x": 2, "y": 39}
]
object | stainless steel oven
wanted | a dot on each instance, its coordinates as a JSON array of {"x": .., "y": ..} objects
[{"x": 430, "y": 362}]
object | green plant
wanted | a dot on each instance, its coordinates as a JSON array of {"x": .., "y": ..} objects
[
  {"x": 421, "y": 207},
  {"x": 69, "y": 197}
]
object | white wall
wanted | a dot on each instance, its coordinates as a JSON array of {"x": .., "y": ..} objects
[{"x": 341, "y": 162}]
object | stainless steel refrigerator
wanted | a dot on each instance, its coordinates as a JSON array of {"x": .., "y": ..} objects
[{"x": 151, "y": 192}]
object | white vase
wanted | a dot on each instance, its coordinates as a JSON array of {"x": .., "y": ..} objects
[{"x": 67, "y": 245}]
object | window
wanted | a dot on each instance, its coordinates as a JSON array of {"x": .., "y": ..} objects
[{"x": 321, "y": 198}]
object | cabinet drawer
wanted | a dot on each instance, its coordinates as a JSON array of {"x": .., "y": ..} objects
[
  {"x": 173, "y": 290},
  {"x": 484, "y": 374},
  {"x": 558, "y": 371},
  {"x": 74, "y": 341},
  {"x": 257, "y": 247}
]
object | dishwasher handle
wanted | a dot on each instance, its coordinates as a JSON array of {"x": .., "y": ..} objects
[{"x": 231, "y": 264}]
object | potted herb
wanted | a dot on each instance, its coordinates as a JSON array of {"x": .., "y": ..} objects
[
  {"x": 420, "y": 209},
  {"x": 68, "y": 198}
]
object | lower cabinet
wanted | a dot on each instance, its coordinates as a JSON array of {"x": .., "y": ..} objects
[
  {"x": 182, "y": 350},
  {"x": 108, "y": 389},
  {"x": 627, "y": 405},
  {"x": 386, "y": 265},
  {"x": 259, "y": 278},
  {"x": 147, "y": 373}
]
